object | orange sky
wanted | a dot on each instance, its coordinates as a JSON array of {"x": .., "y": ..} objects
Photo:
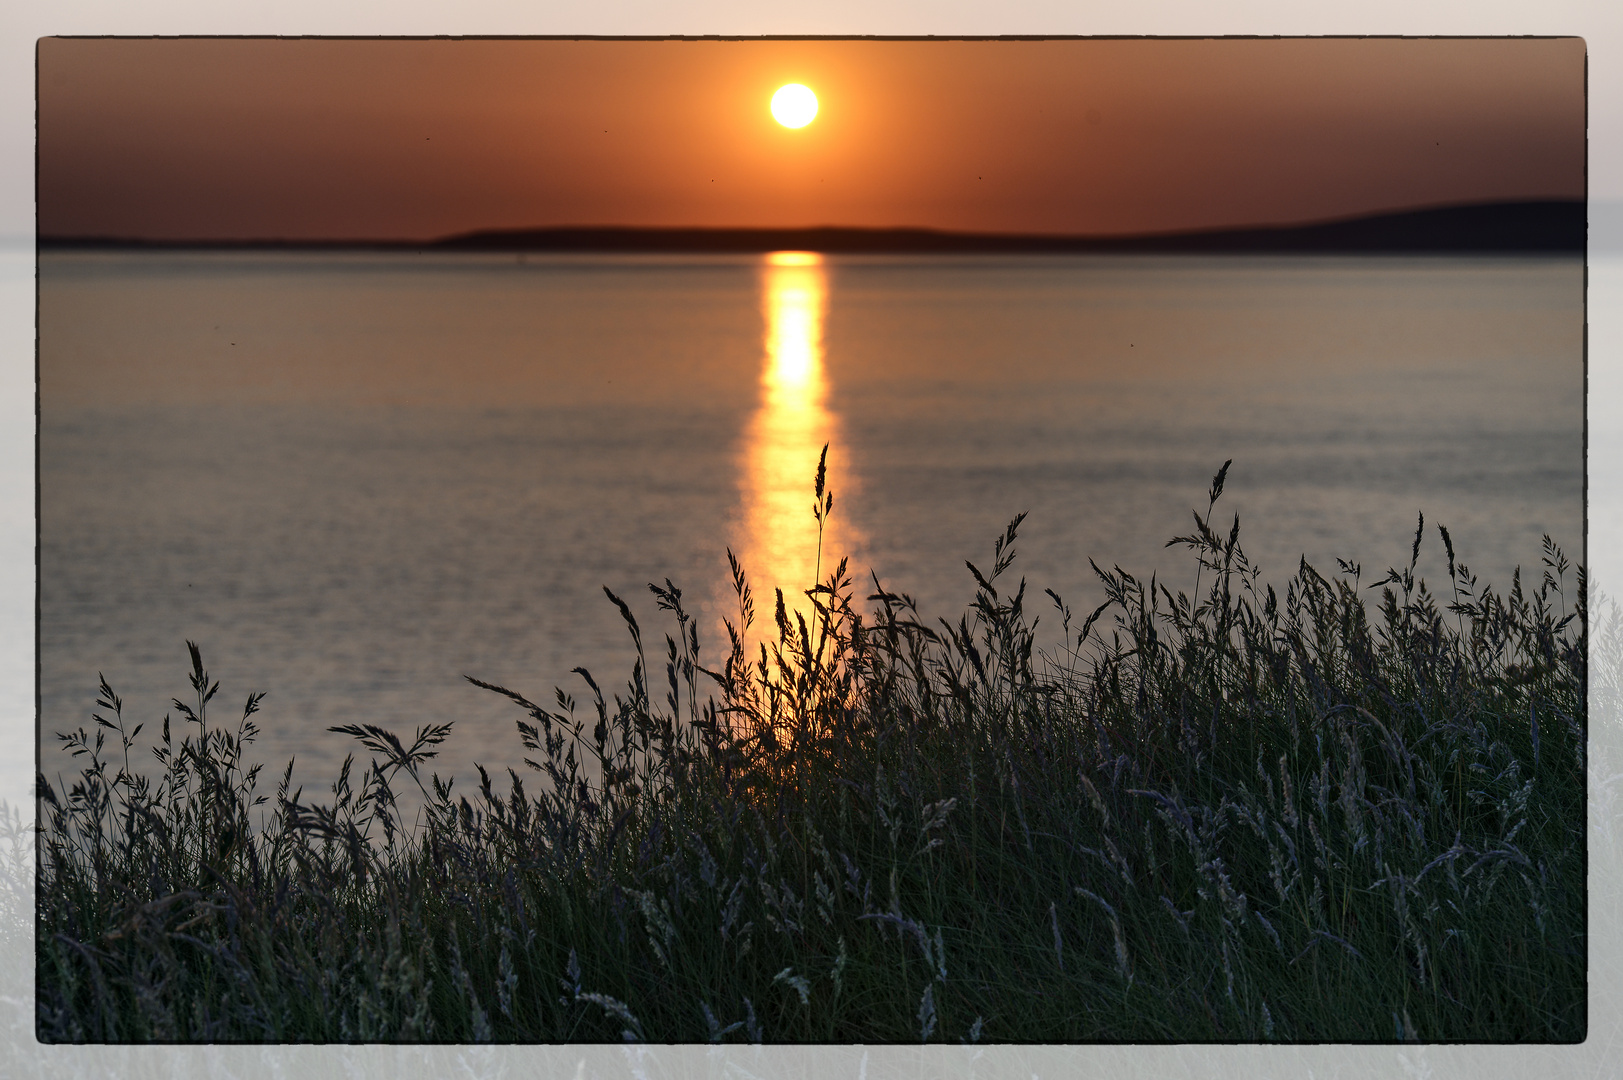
[{"x": 214, "y": 138}]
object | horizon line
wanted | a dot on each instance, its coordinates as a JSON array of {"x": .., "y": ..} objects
[{"x": 1555, "y": 224}]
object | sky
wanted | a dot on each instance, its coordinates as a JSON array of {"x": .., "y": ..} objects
[{"x": 402, "y": 139}]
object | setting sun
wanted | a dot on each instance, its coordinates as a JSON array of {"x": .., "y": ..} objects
[{"x": 794, "y": 105}]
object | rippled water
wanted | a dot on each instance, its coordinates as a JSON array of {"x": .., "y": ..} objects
[{"x": 354, "y": 478}]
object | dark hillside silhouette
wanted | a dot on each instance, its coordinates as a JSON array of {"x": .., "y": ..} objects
[{"x": 1537, "y": 226}]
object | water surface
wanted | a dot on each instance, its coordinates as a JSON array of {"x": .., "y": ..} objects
[{"x": 354, "y": 478}]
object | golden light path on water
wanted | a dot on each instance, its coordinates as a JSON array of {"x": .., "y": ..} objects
[{"x": 776, "y": 537}]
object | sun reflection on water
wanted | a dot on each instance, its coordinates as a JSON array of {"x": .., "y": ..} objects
[{"x": 776, "y": 538}]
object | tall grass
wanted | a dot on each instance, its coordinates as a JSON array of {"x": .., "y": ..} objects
[{"x": 1242, "y": 814}]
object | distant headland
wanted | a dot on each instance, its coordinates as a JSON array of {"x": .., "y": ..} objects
[{"x": 1548, "y": 226}]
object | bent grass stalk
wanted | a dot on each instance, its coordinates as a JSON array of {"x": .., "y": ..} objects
[{"x": 1239, "y": 815}]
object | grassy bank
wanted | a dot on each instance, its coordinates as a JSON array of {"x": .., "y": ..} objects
[{"x": 1327, "y": 809}]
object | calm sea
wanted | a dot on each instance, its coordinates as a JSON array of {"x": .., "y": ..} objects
[{"x": 354, "y": 478}]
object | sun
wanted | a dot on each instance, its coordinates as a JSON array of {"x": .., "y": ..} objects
[{"x": 794, "y": 105}]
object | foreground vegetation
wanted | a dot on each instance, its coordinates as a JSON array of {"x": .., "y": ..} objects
[{"x": 1237, "y": 815}]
